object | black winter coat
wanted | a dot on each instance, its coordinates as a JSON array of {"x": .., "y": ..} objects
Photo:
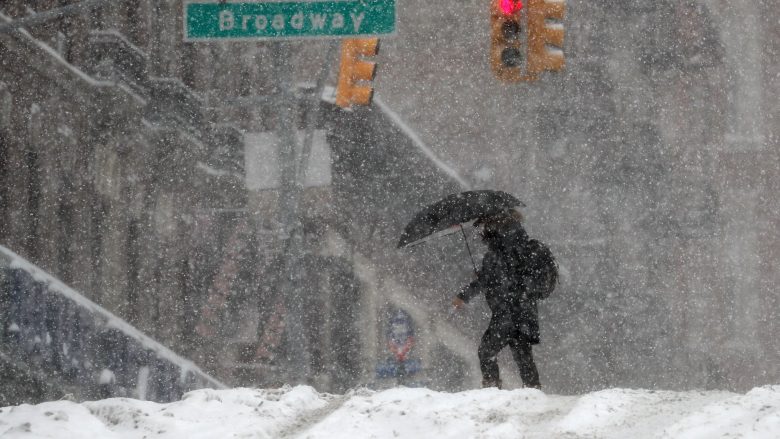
[{"x": 516, "y": 273}]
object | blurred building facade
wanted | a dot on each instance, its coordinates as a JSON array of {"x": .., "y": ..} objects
[
  {"x": 116, "y": 176},
  {"x": 105, "y": 154}
]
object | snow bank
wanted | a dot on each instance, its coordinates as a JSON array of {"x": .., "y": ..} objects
[
  {"x": 292, "y": 412},
  {"x": 204, "y": 413}
]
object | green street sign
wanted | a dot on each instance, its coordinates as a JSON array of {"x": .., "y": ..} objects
[{"x": 257, "y": 20}]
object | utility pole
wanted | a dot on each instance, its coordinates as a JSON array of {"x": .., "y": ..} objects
[
  {"x": 289, "y": 218},
  {"x": 293, "y": 162}
]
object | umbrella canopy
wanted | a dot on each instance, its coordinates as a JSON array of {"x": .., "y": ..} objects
[{"x": 454, "y": 210}]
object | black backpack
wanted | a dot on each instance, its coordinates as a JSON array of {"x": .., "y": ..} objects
[{"x": 534, "y": 267}]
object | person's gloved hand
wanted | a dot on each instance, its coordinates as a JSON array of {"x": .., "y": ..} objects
[{"x": 457, "y": 302}]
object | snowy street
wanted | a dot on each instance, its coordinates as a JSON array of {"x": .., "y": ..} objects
[{"x": 301, "y": 412}]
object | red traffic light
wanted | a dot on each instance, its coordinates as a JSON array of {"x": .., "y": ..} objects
[{"x": 510, "y": 7}]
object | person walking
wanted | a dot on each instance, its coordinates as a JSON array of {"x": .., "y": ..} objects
[{"x": 516, "y": 273}]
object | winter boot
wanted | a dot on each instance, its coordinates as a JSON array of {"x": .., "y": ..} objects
[{"x": 488, "y": 382}]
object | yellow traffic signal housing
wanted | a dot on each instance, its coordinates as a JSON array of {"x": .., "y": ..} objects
[
  {"x": 521, "y": 38},
  {"x": 507, "y": 51},
  {"x": 543, "y": 34},
  {"x": 354, "y": 70}
]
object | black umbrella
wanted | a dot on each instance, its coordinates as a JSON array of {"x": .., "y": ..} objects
[{"x": 450, "y": 213}]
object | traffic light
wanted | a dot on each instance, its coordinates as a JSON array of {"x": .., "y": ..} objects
[
  {"x": 545, "y": 38},
  {"x": 522, "y": 36},
  {"x": 507, "y": 39},
  {"x": 354, "y": 70}
]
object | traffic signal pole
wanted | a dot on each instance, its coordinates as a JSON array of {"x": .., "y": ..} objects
[
  {"x": 293, "y": 162},
  {"x": 289, "y": 218}
]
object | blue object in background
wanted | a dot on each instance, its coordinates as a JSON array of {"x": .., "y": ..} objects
[
  {"x": 394, "y": 369},
  {"x": 400, "y": 341},
  {"x": 400, "y": 335}
]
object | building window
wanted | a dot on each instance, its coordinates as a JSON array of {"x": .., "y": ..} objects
[
  {"x": 5, "y": 123},
  {"x": 32, "y": 165},
  {"x": 137, "y": 20},
  {"x": 5, "y": 107}
]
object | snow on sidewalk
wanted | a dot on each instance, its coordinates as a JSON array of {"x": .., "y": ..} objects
[{"x": 301, "y": 412}]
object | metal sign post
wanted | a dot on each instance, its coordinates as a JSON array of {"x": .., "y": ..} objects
[
  {"x": 290, "y": 190},
  {"x": 294, "y": 161}
]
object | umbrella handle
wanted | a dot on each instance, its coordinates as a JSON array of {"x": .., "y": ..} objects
[{"x": 468, "y": 248}]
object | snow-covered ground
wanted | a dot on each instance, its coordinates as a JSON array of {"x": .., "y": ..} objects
[{"x": 301, "y": 412}]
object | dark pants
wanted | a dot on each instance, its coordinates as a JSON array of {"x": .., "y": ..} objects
[{"x": 497, "y": 337}]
